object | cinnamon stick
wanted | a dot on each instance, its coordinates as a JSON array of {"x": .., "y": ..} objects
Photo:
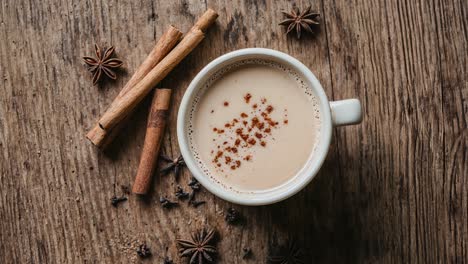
[
  {"x": 154, "y": 135},
  {"x": 121, "y": 106},
  {"x": 168, "y": 40}
]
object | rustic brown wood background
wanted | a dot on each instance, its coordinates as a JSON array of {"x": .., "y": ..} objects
[{"x": 393, "y": 189}]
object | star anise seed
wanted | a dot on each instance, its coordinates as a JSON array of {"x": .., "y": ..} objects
[
  {"x": 103, "y": 63},
  {"x": 298, "y": 21},
  {"x": 200, "y": 248}
]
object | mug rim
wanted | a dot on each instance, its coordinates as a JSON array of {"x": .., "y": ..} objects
[{"x": 313, "y": 165}]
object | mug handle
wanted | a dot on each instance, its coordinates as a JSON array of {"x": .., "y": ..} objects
[{"x": 346, "y": 112}]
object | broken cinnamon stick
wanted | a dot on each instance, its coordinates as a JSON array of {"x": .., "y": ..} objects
[
  {"x": 121, "y": 106},
  {"x": 154, "y": 134},
  {"x": 100, "y": 137}
]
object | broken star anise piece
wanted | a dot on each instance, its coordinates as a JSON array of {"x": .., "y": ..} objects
[
  {"x": 289, "y": 253},
  {"x": 173, "y": 164},
  {"x": 298, "y": 21},
  {"x": 200, "y": 248},
  {"x": 103, "y": 63}
]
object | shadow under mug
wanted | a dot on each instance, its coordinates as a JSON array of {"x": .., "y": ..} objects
[{"x": 335, "y": 113}]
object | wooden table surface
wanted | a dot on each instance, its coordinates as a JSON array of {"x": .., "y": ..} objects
[{"x": 392, "y": 190}]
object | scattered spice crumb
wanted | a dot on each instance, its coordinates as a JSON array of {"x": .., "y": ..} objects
[
  {"x": 226, "y": 103},
  {"x": 143, "y": 251},
  {"x": 125, "y": 189},
  {"x": 166, "y": 203}
]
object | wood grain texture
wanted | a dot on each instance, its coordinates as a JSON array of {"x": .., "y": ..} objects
[{"x": 393, "y": 189}]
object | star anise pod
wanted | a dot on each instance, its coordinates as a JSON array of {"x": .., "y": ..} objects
[
  {"x": 103, "y": 63},
  {"x": 173, "y": 164},
  {"x": 200, "y": 248},
  {"x": 289, "y": 253},
  {"x": 298, "y": 21}
]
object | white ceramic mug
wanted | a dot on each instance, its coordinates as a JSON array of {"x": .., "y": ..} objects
[{"x": 337, "y": 113}]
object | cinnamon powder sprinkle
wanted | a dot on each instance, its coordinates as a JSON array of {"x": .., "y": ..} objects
[
  {"x": 226, "y": 103},
  {"x": 263, "y": 143},
  {"x": 247, "y": 97},
  {"x": 252, "y": 141},
  {"x": 258, "y": 135},
  {"x": 244, "y": 115}
]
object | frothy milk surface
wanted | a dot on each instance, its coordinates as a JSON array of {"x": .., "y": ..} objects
[{"x": 254, "y": 126}]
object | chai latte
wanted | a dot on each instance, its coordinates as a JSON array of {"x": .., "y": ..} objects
[{"x": 254, "y": 125}]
